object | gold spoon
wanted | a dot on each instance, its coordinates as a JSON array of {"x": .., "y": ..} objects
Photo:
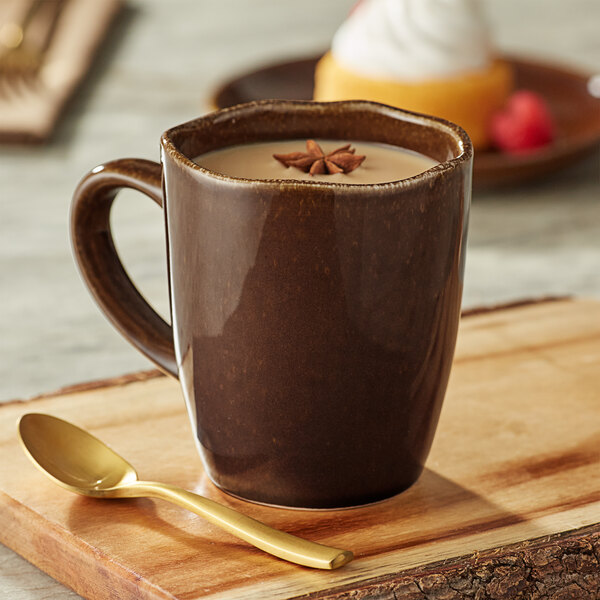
[{"x": 81, "y": 463}]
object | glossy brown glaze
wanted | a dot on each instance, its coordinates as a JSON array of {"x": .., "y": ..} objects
[
  {"x": 315, "y": 323},
  {"x": 99, "y": 263}
]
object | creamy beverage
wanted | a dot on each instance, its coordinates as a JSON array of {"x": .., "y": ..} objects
[{"x": 381, "y": 162}]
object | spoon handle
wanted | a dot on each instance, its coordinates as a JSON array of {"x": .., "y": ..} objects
[{"x": 281, "y": 544}]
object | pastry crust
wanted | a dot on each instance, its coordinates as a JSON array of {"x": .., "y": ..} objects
[{"x": 468, "y": 100}]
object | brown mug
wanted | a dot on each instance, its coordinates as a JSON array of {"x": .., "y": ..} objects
[{"x": 313, "y": 323}]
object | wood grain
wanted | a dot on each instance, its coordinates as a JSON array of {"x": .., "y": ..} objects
[{"x": 509, "y": 503}]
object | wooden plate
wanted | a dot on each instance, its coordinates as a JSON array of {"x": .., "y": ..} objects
[{"x": 577, "y": 114}]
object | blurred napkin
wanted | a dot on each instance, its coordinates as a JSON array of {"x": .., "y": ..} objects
[{"x": 29, "y": 112}]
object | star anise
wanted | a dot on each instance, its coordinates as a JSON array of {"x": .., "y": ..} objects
[{"x": 316, "y": 162}]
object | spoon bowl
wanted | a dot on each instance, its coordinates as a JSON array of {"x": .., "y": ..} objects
[
  {"x": 72, "y": 457},
  {"x": 81, "y": 463}
]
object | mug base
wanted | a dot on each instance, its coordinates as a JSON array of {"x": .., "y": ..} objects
[{"x": 378, "y": 500}]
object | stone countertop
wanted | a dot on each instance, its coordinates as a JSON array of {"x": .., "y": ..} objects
[{"x": 158, "y": 69}]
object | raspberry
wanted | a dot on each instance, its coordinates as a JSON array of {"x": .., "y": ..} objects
[{"x": 524, "y": 125}]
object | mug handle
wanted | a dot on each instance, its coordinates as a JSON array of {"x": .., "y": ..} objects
[{"x": 99, "y": 263}]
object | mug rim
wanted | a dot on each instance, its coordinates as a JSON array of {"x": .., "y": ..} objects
[{"x": 451, "y": 129}]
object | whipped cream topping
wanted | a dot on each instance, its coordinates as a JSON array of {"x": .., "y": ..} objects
[{"x": 413, "y": 39}]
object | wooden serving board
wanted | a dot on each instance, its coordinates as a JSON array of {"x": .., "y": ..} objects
[{"x": 509, "y": 505}]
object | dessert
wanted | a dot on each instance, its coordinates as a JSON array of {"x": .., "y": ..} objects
[
  {"x": 335, "y": 161},
  {"x": 428, "y": 56}
]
